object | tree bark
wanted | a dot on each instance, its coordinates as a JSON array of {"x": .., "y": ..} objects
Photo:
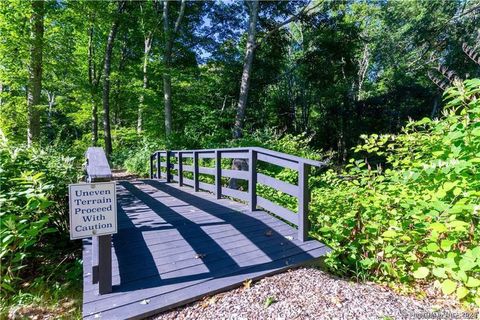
[
  {"x": 35, "y": 71},
  {"x": 93, "y": 81},
  {"x": 106, "y": 82},
  {"x": 146, "y": 52},
  {"x": 247, "y": 70},
  {"x": 167, "y": 60}
]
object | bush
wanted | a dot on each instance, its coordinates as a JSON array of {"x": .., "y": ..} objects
[
  {"x": 413, "y": 217},
  {"x": 33, "y": 199}
]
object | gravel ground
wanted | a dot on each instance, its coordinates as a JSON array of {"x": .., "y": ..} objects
[
  {"x": 308, "y": 293},
  {"x": 122, "y": 174}
]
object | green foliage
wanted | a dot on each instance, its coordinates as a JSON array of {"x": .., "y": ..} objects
[
  {"x": 407, "y": 209},
  {"x": 34, "y": 211}
]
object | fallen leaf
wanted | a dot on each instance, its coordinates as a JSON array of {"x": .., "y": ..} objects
[
  {"x": 269, "y": 233},
  {"x": 247, "y": 284},
  {"x": 336, "y": 301},
  {"x": 200, "y": 256},
  {"x": 289, "y": 237},
  {"x": 209, "y": 301},
  {"x": 145, "y": 301}
]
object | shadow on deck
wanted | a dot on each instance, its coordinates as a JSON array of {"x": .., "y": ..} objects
[{"x": 175, "y": 246}]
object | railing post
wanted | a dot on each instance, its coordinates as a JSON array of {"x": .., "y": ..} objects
[
  {"x": 151, "y": 166},
  {"x": 195, "y": 171},
  {"x": 169, "y": 176},
  {"x": 180, "y": 169},
  {"x": 303, "y": 200},
  {"x": 252, "y": 179},
  {"x": 218, "y": 174},
  {"x": 104, "y": 264},
  {"x": 159, "y": 173}
]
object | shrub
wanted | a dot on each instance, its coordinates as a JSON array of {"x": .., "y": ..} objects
[
  {"x": 33, "y": 200},
  {"x": 413, "y": 216}
]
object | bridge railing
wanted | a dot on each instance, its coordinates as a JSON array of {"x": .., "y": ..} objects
[
  {"x": 161, "y": 166},
  {"x": 98, "y": 170}
]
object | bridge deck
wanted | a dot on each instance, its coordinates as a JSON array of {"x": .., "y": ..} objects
[{"x": 175, "y": 246}]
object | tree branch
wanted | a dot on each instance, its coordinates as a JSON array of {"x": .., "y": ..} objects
[
  {"x": 292, "y": 18},
  {"x": 179, "y": 18}
]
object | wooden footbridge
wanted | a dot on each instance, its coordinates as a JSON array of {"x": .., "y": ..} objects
[{"x": 181, "y": 238}]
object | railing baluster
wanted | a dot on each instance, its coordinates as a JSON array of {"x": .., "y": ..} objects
[
  {"x": 303, "y": 200},
  {"x": 151, "y": 166},
  {"x": 195, "y": 171},
  {"x": 159, "y": 173},
  {"x": 218, "y": 174},
  {"x": 180, "y": 169},
  {"x": 252, "y": 179},
  {"x": 169, "y": 175}
]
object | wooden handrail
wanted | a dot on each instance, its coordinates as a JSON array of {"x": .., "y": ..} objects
[
  {"x": 98, "y": 170},
  {"x": 97, "y": 166},
  {"x": 252, "y": 155}
]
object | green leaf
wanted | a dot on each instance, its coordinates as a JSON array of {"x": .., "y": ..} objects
[
  {"x": 472, "y": 282},
  {"x": 439, "y": 273},
  {"x": 447, "y": 186},
  {"x": 389, "y": 234},
  {"x": 462, "y": 292},
  {"x": 432, "y": 247},
  {"x": 421, "y": 273},
  {"x": 476, "y": 132},
  {"x": 467, "y": 264},
  {"x": 439, "y": 227},
  {"x": 269, "y": 301},
  {"x": 446, "y": 244},
  {"x": 448, "y": 286}
]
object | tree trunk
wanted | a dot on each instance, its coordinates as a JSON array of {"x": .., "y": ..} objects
[
  {"x": 167, "y": 60},
  {"x": 93, "y": 81},
  {"x": 35, "y": 71},
  {"x": 247, "y": 70},
  {"x": 106, "y": 87},
  {"x": 141, "y": 106},
  {"x": 167, "y": 98},
  {"x": 167, "y": 80}
]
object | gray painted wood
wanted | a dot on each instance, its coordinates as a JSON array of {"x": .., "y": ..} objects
[
  {"x": 252, "y": 179},
  {"x": 278, "y": 184},
  {"x": 218, "y": 174},
  {"x": 180, "y": 168},
  {"x": 237, "y": 174},
  {"x": 252, "y": 154},
  {"x": 242, "y": 195},
  {"x": 97, "y": 167},
  {"x": 104, "y": 264},
  {"x": 235, "y": 155},
  {"x": 195, "y": 171},
  {"x": 277, "y": 210},
  {"x": 159, "y": 165},
  {"x": 151, "y": 165},
  {"x": 303, "y": 200},
  {"x": 206, "y": 170},
  {"x": 168, "y": 167},
  {"x": 164, "y": 227},
  {"x": 98, "y": 170},
  {"x": 277, "y": 161}
]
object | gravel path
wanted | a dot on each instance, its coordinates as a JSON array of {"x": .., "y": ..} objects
[{"x": 309, "y": 293}]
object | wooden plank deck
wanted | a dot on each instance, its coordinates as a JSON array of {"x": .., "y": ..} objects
[{"x": 175, "y": 246}]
